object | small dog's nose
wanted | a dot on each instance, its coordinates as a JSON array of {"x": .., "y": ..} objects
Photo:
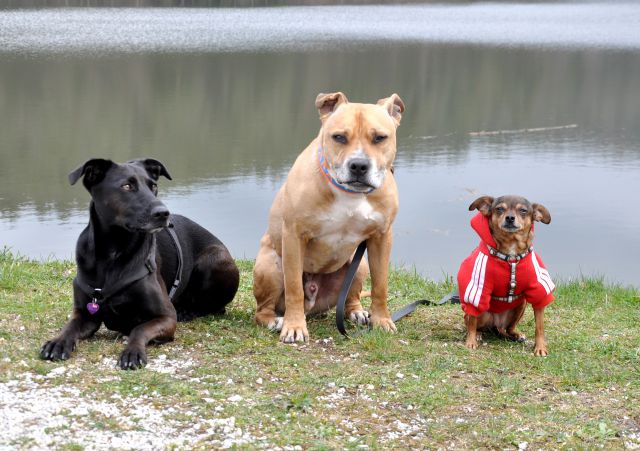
[
  {"x": 510, "y": 219},
  {"x": 359, "y": 166},
  {"x": 159, "y": 212}
]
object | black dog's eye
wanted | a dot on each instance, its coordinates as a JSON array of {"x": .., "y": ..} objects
[
  {"x": 154, "y": 187},
  {"x": 339, "y": 138},
  {"x": 379, "y": 138},
  {"x": 127, "y": 187}
]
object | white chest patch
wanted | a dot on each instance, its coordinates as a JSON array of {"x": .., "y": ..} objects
[{"x": 348, "y": 219}]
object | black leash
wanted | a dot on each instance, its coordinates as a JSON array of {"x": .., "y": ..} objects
[{"x": 452, "y": 298}]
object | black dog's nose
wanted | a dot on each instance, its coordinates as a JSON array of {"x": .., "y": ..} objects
[
  {"x": 159, "y": 212},
  {"x": 510, "y": 219},
  {"x": 359, "y": 166}
]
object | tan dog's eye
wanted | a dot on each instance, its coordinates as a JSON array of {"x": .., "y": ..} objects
[
  {"x": 379, "y": 138},
  {"x": 499, "y": 210},
  {"x": 127, "y": 187},
  {"x": 523, "y": 211},
  {"x": 339, "y": 138}
]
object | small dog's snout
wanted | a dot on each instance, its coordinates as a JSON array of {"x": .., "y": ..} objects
[
  {"x": 510, "y": 219},
  {"x": 159, "y": 213},
  {"x": 359, "y": 166}
]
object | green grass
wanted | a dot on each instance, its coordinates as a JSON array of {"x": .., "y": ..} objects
[{"x": 418, "y": 388}]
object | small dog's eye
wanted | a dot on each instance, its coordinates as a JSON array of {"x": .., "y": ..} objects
[
  {"x": 127, "y": 187},
  {"x": 523, "y": 211},
  {"x": 379, "y": 138},
  {"x": 339, "y": 138},
  {"x": 154, "y": 187},
  {"x": 499, "y": 210}
]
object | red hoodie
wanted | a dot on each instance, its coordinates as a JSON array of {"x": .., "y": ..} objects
[{"x": 483, "y": 275}]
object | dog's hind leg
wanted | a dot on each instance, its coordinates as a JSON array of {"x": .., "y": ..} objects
[
  {"x": 512, "y": 332},
  {"x": 213, "y": 284},
  {"x": 268, "y": 286}
]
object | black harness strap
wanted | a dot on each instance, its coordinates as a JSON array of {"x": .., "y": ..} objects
[
  {"x": 176, "y": 243},
  {"x": 404, "y": 311},
  {"x": 101, "y": 294}
]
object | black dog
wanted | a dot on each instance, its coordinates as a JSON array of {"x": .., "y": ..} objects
[{"x": 140, "y": 269}]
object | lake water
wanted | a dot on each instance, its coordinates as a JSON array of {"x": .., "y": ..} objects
[{"x": 541, "y": 100}]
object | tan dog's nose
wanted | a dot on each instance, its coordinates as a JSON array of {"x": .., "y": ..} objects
[{"x": 359, "y": 166}]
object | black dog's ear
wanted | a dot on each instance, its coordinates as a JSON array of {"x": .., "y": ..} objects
[
  {"x": 153, "y": 167},
  {"x": 483, "y": 204},
  {"x": 540, "y": 213},
  {"x": 327, "y": 103},
  {"x": 93, "y": 170}
]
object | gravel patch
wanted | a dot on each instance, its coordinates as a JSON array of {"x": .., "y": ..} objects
[{"x": 35, "y": 415}]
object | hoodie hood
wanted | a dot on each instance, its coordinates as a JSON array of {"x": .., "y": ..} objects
[{"x": 480, "y": 223}]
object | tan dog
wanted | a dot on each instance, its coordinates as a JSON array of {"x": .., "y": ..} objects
[
  {"x": 339, "y": 192},
  {"x": 504, "y": 273}
]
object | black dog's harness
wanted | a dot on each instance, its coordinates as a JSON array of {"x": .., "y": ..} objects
[
  {"x": 100, "y": 295},
  {"x": 404, "y": 311}
]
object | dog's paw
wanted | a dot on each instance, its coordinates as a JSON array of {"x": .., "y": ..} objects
[
  {"x": 385, "y": 323},
  {"x": 540, "y": 351},
  {"x": 471, "y": 344},
  {"x": 132, "y": 358},
  {"x": 360, "y": 317},
  {"x": 276, "y": 324},
  {"x": 57, "y": 349},
  {"x": 294, "y": 333}
]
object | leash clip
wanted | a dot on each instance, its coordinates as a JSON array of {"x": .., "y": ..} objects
[{"x": 97, "y": 295}]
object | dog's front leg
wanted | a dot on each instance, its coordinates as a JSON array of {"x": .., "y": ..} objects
[
  {"x": 472, "y": 328},
  {"x": 159, "y": 329},
  {"x": 80, "y": 326},
  {"x": 294, "y": 327},
  {"x": 379, "y": 251},
  {"x": 540, "y": 347}
]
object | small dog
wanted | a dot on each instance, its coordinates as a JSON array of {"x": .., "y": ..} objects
[
  {"x": 140, "y": 269},
  {"x": 504, "y": 273}
]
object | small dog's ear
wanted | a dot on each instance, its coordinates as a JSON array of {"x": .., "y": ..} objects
[
  {"x": 327, "y": 103},
  {"x": 394, "y": 106},
  {"x": 483, "y": 204},
  {"x": 93, "y": 171},
  {"x": 540, "y": 213},
  {"x": 153, "y": 167}
]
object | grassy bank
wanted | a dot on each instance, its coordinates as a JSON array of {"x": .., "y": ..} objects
[{"x": 225, "y": 382}]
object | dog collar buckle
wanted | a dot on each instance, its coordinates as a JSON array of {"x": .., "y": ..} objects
[{"x": 97, "y": 294}]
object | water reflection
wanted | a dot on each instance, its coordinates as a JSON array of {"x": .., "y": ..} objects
[{"x": 228, "y": 126}]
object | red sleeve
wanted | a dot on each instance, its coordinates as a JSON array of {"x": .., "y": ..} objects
[
  {"x": 475, "y": 284},
  {"x": 540, "y": 292}
]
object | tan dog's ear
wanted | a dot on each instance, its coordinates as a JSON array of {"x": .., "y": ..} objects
[
  {"x": 327, "y": 103},
  {"x": 483, "y": 204},
  {"x": 394, "y": 106},
  {"x": 540, "y": 213}
]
